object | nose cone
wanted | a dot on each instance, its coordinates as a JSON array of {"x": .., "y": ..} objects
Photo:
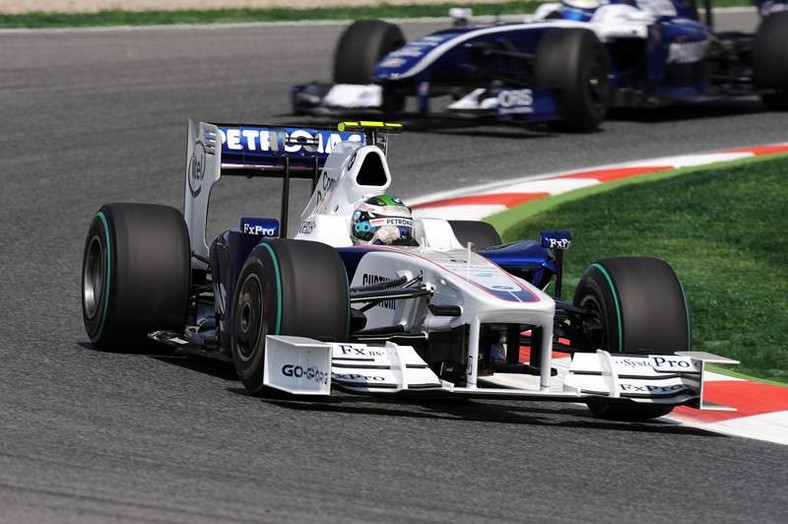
[
  {"x": 415, "y": 56},
  {"x": 394, "y": 66}
]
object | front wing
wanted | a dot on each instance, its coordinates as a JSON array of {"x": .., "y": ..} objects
[
  {"x": 518, "y": 104},
  {"x": 303, "y": 366}
]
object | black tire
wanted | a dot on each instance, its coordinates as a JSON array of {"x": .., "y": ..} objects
[
  {"x": 776, "y": 101},
  {"x": 136, "y": 274},
  {"x": 362, "y": 45},
  {"x": 640, "y": 308},
  {"x": 575, "y": 62},
  {"x": 481, "y": 234},
  {"x": 633, "y": 412},
  {"x": 640, "y": 304},
  {"x": 770, "y": 60},
  {"x": 287, "y": 287}
]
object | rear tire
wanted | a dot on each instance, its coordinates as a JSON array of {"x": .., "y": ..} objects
[
  {"x": 777, "y": 101},
  {"x": 640, "y": 308},
  {"x": 575, "y": 62},
  {"x": 136, "y": 274},
  {"x": 362, "y": 45},
  {"x": 770, "y": 60},
  {"x": 287, "y": 287},
  {"x": 481, "y": 234}
]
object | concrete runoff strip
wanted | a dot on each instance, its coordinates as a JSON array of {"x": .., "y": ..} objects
[{"x": 761, "y": 409}]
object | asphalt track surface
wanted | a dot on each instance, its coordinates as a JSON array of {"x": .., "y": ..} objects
[{"x": 87, "y": 436}]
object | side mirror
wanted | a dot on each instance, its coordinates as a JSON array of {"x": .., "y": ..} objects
[{"x": 558, "y": 240}]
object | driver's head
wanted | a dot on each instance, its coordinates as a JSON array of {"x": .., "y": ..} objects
[
  {"x": 579, "y": 10},
  {"x": 583, "y": 4},
  {"x": 382, "y": 219}
]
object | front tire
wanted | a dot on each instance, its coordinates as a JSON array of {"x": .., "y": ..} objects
[
  {"x": 362, "y": 45},
  {"x": 770, "y": 60},
  {"x": 638, "y": 307},
  {"x": 630, "y": 413},
  {"x": 136, "y": 274},
  {"x": 575, "y": 62},
  {"x": 286, "y": 287}
]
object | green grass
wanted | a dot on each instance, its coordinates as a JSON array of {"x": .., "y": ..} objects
[
  {"x": 724, "y": 229},
  {"x": 382, "y": 10}
]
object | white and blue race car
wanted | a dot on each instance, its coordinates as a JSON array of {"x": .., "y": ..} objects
[
  {"x": 450, "y": 312},
  {"x": 566, "y": 64}
]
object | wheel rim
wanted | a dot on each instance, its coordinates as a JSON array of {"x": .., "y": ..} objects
[
  {"x": 595, "y": 87},
  {"x": 594, "y": 326},
  {"x": 250, "y": 324},
  {"x": 93, "y": 276}
]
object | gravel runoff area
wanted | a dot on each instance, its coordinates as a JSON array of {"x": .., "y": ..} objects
[{"x": 91, "y": 6}]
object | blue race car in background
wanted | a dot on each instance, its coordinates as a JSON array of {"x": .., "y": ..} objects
[{"x": 567, "y": 64}]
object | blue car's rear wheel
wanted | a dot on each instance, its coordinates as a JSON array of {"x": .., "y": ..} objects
[
  {"x": 575, "y": 62},
  {"x": 770, "y": 60},
  {"x": 286, "y": 287},
  {"x": 135, "y": 274}
]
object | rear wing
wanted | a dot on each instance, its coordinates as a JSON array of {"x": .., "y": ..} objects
[{"x": 251, "y": 150}]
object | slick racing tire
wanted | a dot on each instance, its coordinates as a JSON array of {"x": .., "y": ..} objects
[
  {"x": 776, "y": 100},
  {"x": 481, "y": 234},
  {"x": 633, "y": 412},
  {"x": 638, "y": 307},
  {"x": 286, "y": 287},
  {"x": 362, "y": 45},
  {"x": 575, "y": 62},
  {"x": 136, "y": 274},
  {"x": 770, "y": 60}
]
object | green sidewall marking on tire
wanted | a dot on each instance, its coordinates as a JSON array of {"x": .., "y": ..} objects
[
  {"x": 347, "y": 284},
  {"x": 686, "y": 314},
  {"x": 604, "y": 272},
  {"x": 278, "y": 287},
  {"x": 108, "y": 249}
]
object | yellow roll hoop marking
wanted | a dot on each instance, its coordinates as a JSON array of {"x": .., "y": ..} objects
[{"x": 368, "y": 124}]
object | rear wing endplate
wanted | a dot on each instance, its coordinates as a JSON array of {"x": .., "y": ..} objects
[
  {"x": 250, "y": 150},
  {"x": 216, "y": 150}
]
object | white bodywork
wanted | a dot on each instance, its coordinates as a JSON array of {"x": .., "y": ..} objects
[
  {"x": 457, "y": 276},
  {"x": 482, "y": 290},
  {"x": 453, "y": 276},
  {"x": 338, "y": 190},
  {"x": 392, "y": 368}
]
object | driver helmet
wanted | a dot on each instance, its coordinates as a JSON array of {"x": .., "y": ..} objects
[
  {"x": 579, "y": 10},
  {"x": 382, "y": 219}
]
